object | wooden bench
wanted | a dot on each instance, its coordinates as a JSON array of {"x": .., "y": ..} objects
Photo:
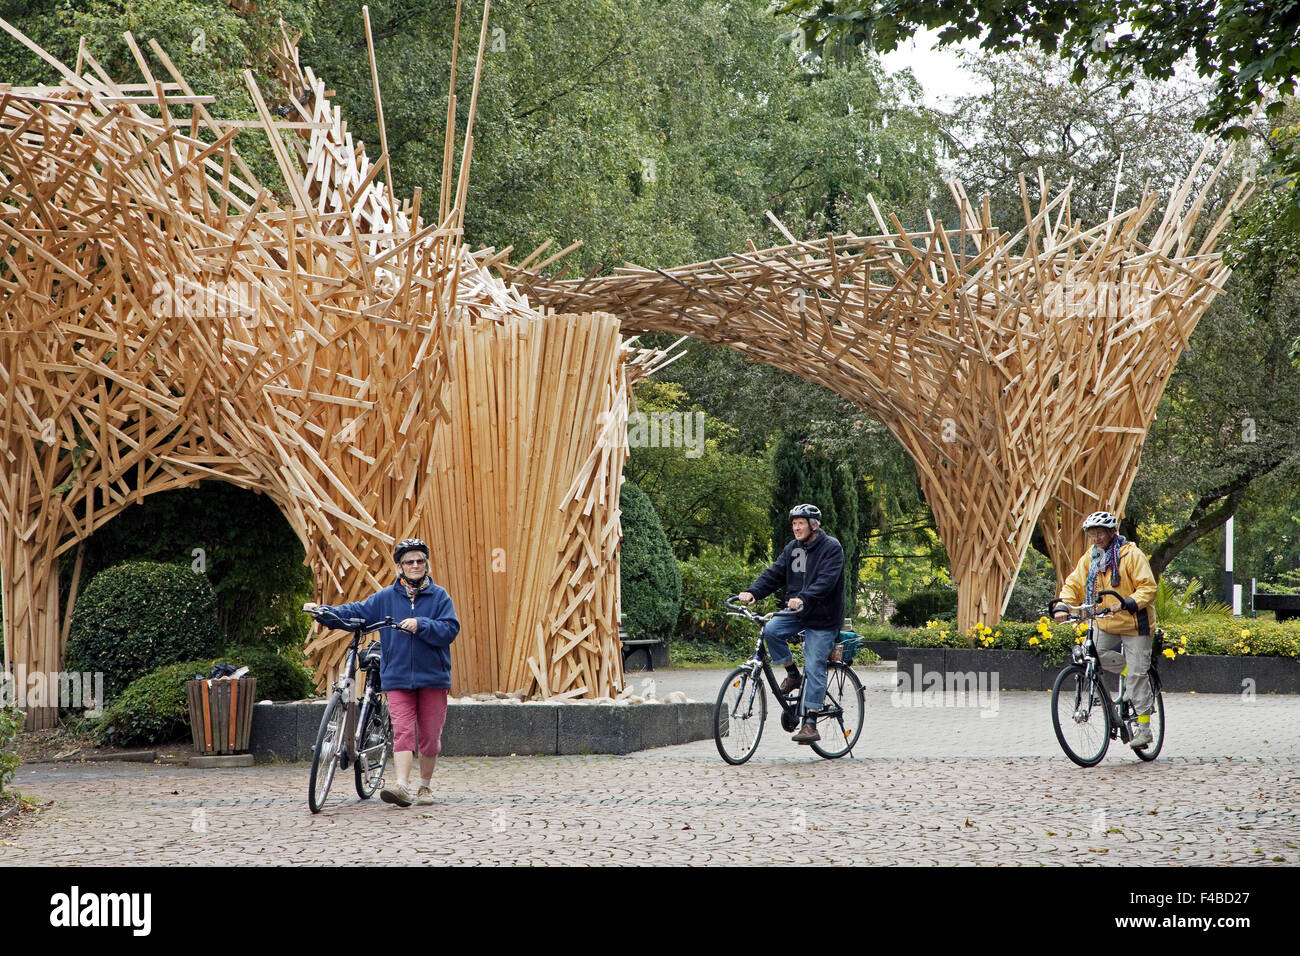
[
  {"x": 630, "y": 647},
  {"x": 1285, "y": 606}
]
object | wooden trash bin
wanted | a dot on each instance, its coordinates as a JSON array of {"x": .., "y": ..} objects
[{"x": 221, "y": 714}]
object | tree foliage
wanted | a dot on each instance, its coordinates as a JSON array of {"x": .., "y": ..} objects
[
  {"x": 1026, "y": 116},
  {"x": 1250, "y": 50},
  {"x": 655, "y": 133}
]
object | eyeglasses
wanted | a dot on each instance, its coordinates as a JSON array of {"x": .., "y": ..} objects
[{"x": 414, "y": 562}]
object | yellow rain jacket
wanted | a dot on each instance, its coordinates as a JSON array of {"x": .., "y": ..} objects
[{"x": 1135, "y": 581}]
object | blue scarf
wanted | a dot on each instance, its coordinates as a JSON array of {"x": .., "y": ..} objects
[{"x": 1103, "y": 559}]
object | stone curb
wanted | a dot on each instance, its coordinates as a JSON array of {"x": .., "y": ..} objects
[{"x": 220, "y": 761}]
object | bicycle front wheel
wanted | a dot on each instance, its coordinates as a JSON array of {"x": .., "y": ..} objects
[
  {"x": 325, "y": 755},
  {"x": 739, "y": 715},
  {"x": 1081, "y": 716},
  {"x": 845, "y": 710},
  {"x": 1152, "y": 750},
  {"x": 376, "y": 747}
]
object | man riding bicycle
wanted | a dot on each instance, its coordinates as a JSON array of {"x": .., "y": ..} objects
[
  {"x": 811, "y": 569},
  {"x": 1117, "y": 564}
]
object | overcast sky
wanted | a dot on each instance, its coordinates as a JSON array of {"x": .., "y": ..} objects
[{"x": 938, "y": 70}]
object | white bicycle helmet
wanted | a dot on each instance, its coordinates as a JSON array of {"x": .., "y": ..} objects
[{"x": 1101, "y": 519}]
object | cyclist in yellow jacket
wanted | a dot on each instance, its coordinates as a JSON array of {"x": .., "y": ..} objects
[{"x": 1116, "y": 564}]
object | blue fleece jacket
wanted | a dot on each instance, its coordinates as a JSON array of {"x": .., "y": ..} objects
[{"x": 410, "y": 661}]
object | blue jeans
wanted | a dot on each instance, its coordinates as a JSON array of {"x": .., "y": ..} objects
[{"x": 817, "y": 647}]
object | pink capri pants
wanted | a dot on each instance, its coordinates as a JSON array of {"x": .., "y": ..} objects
[{"x": 425, "y": 708}]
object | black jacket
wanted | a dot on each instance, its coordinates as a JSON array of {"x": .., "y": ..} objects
[{"x": 814, "y": 573}]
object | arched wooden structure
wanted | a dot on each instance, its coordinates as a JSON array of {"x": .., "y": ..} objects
[
  {"x": 168, "y": 318},
  {"x": 1019, "y": 371}
]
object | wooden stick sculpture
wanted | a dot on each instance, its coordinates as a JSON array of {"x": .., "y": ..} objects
[
  {"x": 1020, "y": 372},
  {"x": 168, "y": 318}
]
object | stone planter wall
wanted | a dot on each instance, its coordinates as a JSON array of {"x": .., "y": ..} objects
[
  {"x": 287, "y": 732},
  {"x": 1024, "y": 670}
]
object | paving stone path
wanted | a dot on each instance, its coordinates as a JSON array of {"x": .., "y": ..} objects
[{"x": 984, "y": 784}]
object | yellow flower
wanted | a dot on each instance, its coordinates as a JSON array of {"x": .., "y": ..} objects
[
  {"x": 1170, "y": 654},
  {"x": 1033, "y": 640},
  {"x": 1245, "y": 633}
]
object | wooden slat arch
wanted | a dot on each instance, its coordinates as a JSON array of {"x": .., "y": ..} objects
[
  {"x": 1019, "y": 371},
  {"x": 167, "y": 318}
]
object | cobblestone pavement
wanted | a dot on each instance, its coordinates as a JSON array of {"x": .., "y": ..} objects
[{"x": 928, "y": 785}]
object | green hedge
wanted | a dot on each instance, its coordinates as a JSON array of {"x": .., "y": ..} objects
[
  {"x": 11, "y": 722},
  {"x": 921, "y": 606},
  {"x": 137, "y": 616},
  {"x": 650, "y": 579},
  {"x": 155, "y": 710}
]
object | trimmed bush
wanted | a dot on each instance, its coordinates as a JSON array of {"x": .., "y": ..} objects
[
  {"x": 11, "y": 721},
  {"x": 155, "y": 710},
  {"x": 651, "y": 580},
  {"x": 137, "y": 616},
  {"x": 921, "y": 606},
  {"x": 278, "y": 677}
]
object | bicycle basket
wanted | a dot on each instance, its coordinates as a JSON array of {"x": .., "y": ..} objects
[{"x": 851, "y": 643}]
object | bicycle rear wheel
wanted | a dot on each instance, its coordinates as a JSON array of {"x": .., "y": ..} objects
[
  {"x": 739, "y": 714},
  {"x": 325, "y": 754},
  {"x": 1152, "y": 750},
  {"x": 1081, "y": 716},
  {"x": 376, "y": 747},
  {"x": 845, "y": 707}
]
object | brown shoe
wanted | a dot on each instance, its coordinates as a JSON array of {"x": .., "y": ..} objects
[
  {"x": 791, "y": 683},
  {"x": 807, "y": 733}
]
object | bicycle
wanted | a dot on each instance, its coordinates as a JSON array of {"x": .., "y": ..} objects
[
  {"x": 1082, "y": 709},
  {"x": 344, "y": 740},
  {"x": 741, "y": 708}
]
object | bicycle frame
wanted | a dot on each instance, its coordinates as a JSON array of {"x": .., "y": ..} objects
[
  {"x": 1088, "y": 656},
  {"x": 761, "y": 662},
  {"x": 346, "y": 686}
]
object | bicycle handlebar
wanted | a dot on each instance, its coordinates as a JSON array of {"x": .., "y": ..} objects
[
  {"x": 1085, "y": 612},
  {"x": 744, "y": 610},
  {"x": 354, "y": 624}
]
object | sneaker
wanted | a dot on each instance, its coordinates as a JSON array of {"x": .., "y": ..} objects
[
  {"x": 1141, "y": 738},
  {"x": 807, "y": 733},
  {"x": 791, "y": 683},
  {"x": 424, "y": 798},
  {"x": 398, "y": 793}
]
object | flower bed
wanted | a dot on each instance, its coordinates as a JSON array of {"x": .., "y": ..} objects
[{"x": 1226, "y": 656}]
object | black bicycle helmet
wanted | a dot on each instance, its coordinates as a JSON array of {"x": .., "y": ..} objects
[
  {"x": 410, "y": 544},
  {"x": 811, "y": 512}
]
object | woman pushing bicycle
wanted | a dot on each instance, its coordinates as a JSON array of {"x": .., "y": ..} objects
[
  {"x": 416, "y": 666},
  {"x": 1114, "y": 563}
]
